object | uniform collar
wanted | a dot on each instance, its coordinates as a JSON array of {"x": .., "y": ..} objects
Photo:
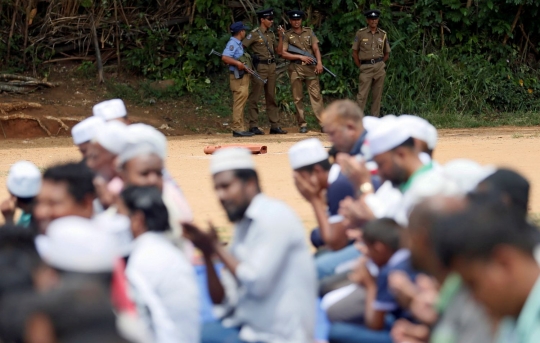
[
  {"x": 263, "y": 29},
  {"x": 303, "y": 30},
  {"x": 398, "y": 257},
  {"x": 236, "y": 40}
]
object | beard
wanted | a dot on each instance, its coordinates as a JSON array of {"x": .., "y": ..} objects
[{"x": 235, "y": 213}]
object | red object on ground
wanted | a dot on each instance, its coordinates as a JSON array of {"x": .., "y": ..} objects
[{"x": 254, "y": 148}]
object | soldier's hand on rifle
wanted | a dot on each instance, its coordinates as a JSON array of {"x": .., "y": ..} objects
[
  {"x": 319, "y": 68},
  {"x": 307, "y": 60},
  {"x": 240, "y": 66}
]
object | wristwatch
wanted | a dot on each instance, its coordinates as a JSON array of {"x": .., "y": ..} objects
[{"x": 366, "y": 188}]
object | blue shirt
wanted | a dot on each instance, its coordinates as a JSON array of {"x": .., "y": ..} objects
[
  {"x": 339, "y": 187},
  {"x": 385, "y": 300},
  {"x": 233, "y": 49}
]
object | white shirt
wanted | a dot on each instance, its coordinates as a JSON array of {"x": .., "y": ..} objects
[
  {"x": 274, "y": 299},
  {"x": 164, "y": 287}
]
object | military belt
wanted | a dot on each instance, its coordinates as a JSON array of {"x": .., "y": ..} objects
[
  {"x": 371, "y": 61},
  {"x": 267, "y": 61}
]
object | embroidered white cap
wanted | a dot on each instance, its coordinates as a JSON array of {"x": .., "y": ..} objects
[
  {"x": 467, "y": 174},
  {"x": 74, "y": 244},
  {"x": 142, "y": 133},
  {"x": 86, "y": 130},
  {"x": 387, "y": 136},
  {"x": 110, "y": 109},
  {"x": 113, "y": 137},
  {"x": 24, "y": 179},
  {"x": 420, "y": 129},
  {"x": 231, "y": 159},
  {"x": 307, "y": 152},
  {"x": 370, "y": 122}
]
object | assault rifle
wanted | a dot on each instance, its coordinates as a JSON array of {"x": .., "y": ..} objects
[
  {"x": 236, "y": 73},
  {"x": 294, "y": 50}
]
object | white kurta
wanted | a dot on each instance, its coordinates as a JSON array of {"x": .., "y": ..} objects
[{"x": 164, "y": 287}]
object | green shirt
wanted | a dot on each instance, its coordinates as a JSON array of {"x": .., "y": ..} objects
[{"x": 527, "y": 327}]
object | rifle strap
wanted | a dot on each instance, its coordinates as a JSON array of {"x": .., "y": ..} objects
[{"x": 266, "y": 43}]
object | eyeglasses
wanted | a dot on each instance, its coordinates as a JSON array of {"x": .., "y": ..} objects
[{"x": 270, "y": 18}]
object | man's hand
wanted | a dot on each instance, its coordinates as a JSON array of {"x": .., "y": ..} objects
[
  {"x": 307, "y": 60},
  {"x": 281, "y": 31},
  {"x": 319, "y": 68},
  {"x": 307, "y": 186},
  {"x": 105, "y": 197},
  {"x": 353, "y": 169},
  {"x": 404, "y": 331},
  {"x": 204, "y": 241},
  {"x": 356, "y": 212},
  {"x": 361, "y": 275},
  {"x": 8, "y": 207},
  {"x": 240, "y": 66}
]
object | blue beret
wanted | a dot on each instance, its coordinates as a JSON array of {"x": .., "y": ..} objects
[{"x": 238, "y": 26}]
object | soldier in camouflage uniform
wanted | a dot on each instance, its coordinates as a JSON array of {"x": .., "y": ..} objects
[
  {"x": 370, "y": 52},
  {"x": 263, "y": 44}
]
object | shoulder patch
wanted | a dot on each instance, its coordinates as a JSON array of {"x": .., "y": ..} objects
[
  {"x": 362, "y": 29},
  {"x": 231, "y": 47},
  {"x": 248, "y": 36},
  {"x": 382, "y": 31},
  {"x": 255, "y": 29},
  {"x": 356, "y": 38}
]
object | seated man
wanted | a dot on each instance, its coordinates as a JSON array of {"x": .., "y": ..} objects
[
  {"x": 313, "y": 175},
  {"x": 23, "y": 183},
  {"x": 382, "y": 239},
  {"x": 493, "y": 251},
  {"x": 272, "y": 295}
]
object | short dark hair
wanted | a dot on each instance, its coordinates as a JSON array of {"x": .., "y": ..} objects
[
  {"x": 514, "y": 185},
  {"x": 409, "y": 143},
  {"x": 18, "y": 258},
  {"x": 25, "y": 201},
  {"x": 384, "y": 230},
  {"x": 79, "y": 179},
  {"x": 148, "y": 200},
  {"x": 475, "y": 232},
  {"x": 325, "y": 165}
]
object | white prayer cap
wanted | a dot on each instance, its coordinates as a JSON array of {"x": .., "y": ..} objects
[
  {"x": 231, "y": 159},
  {"x": 370, "y": 122},
  {"x": 145, "y": 133},
  {"x": 307, "y": 152},
  {"x": 386, "y": 136},
  {"x": 119, "y": 227},
  {"x": 113, "y": 137},
  {"x": 86, "y": 130},
  {"x": 73, "y": 244},
  {"x": 24, "y": 179},
  {"x": 110, "y": 109},
  {"x": 420, "y": 129},
  {"x": 467, "y": 174}
]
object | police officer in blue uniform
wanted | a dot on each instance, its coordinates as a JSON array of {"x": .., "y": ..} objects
[{"x": 238, "y": 77}]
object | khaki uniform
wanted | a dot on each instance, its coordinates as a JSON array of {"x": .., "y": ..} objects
[
  {"x": 240, "y": 90},
  {"x": 267, "y": 71},
  {"x": 304, "y": 73},
  {"x": 370, "y": 47}
]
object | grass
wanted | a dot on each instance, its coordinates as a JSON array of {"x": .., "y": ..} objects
[{"x": 215, "y": 100}]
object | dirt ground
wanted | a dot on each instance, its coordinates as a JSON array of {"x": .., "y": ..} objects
[{"x": 508, "y": 146}]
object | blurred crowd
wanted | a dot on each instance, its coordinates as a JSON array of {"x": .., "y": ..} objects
[{"x": 406, "y": 250}]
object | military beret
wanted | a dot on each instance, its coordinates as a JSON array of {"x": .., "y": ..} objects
[
  {"x": 296, "y": 14},
  {"x": 238, "y": 26},
  {"x": 265, "y": 13},
  {"x": 372, "y": 14}
]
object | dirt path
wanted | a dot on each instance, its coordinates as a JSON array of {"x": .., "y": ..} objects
[{"x": 508, "y": 146}]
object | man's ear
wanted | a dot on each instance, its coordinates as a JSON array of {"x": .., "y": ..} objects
[
  {"x": 506, "y": 256},
  {"x": 379, "y": 247}
]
